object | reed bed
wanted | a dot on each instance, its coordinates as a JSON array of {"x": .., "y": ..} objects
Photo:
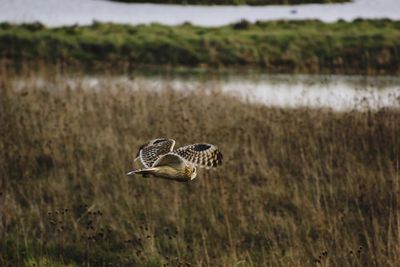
[
  {"x": 299, "y": 187},
  {"x": 306, "y": 46}
]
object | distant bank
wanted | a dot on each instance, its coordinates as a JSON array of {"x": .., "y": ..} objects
[
  {"x": 361, "y": 46},
  {"x": 235, "y": 2}
]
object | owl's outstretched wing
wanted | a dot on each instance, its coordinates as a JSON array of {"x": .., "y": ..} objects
[
  {"x": 170, "y": 159},
  {"x": 203, "y": 155},
  {"x": 150, "y": 152}
]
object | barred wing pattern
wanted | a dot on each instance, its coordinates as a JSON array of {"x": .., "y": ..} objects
[
  {"x": 150, "y": 152},
  {"x": 203, "y": 155}
]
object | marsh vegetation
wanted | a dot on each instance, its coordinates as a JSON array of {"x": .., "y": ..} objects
[
  {"x": 299, "y": 187},
  {"x": 361, "y": 46}
]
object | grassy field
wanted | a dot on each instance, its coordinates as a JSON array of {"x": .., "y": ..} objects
[
  {"x": 299, "y": 187},
  {"x": 235, "y": 2},
  {"x": 361, "y": 46}
]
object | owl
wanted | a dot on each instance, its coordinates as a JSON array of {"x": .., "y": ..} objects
[{"x": 159, "y": 159}]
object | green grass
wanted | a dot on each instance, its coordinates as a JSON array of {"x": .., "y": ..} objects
[
  {"x": 362, "y": 46},
  {"x": 235, "y": 2},
  {"x": 298, "y": 187}
]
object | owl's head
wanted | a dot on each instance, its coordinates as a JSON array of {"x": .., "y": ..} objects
[{"x": 191, "y": 172}]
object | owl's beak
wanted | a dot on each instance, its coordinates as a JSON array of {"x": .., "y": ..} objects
[{"x": 194, "y": 174}]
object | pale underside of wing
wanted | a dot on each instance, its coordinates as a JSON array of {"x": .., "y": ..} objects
[
  {"x": 170, "y": 159},
  {"x": 203, "y": 155},
  {"x": 149, "y": 153}
]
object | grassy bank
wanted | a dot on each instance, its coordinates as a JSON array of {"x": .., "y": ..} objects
[
  {"x": 298, "y": 187},
  {"x": 297, "y": 46},
  {"x": 235, "y": 2}
]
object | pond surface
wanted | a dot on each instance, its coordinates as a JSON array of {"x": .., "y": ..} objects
[
  {"x": 337, "y": 92},
  {"x": 68, "y": 12}
]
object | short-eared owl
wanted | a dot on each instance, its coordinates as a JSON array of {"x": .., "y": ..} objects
[{"x": 159, "y": 159}]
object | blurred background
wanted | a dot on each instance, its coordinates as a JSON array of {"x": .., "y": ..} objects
[{"x": 301, "y": 96}]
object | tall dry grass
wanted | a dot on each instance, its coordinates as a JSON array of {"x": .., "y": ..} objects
[{"x": 298, "y": 187}]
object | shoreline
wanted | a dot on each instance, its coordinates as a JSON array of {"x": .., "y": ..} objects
[{"x": 236, "y": 2}]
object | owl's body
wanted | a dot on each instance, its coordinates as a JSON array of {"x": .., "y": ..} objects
[
  {"x": 160, "y": 160},
  {"x": 168, "y": 172}
]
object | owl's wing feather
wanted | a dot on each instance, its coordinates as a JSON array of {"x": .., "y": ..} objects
[
  {"x": 150, "y": 152},
  {"x": 170, "y": 159},
  {"x": 203, "y": 155}
]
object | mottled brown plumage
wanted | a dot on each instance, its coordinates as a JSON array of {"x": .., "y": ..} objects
[{"x": 160, "y": 160}]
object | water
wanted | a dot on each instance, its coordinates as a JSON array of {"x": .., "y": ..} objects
[
  {"x": 68, "y": 12},
  {"x": 337, "y": 92}
]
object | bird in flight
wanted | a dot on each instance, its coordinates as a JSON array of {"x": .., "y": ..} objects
[{"x": 159, "y": 159}]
